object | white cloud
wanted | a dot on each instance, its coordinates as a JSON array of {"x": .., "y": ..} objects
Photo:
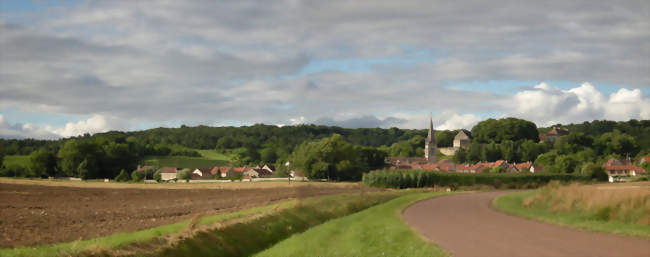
[
  {"x": 459, "y": 121},
  {"x": 94, "y": 124},
  {"x": 547, "y": 105}
]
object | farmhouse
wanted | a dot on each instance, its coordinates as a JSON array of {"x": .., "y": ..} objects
[
  {"x": 553, "y": 135},
  {"x": 168, "y": 173},
  {"x": 620, "y": 168}
]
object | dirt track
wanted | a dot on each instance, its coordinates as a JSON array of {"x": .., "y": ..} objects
[
  {"x": 466, "y": 225},
  {"x": 35, "y": 214}
]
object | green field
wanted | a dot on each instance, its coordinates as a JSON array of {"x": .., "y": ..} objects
[
  {"x": 182, "y": 162},
  {"x": 513, "y": 204},
  {"x": 377, "y": 231},
  {"x": 22, "y": 160},
  {"x": 209, "y": 159}
]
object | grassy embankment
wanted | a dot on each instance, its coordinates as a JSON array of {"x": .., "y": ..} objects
[
  {"x": 208, "y": 159},
  {"x": 619, "y": 209},
  {"x": 377, "y": 231},
  {"x": 252, "y": 230}
]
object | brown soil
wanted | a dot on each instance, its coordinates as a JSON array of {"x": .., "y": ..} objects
[
  {"x": 35, "y": 215},
  {"x": 466, "y": 225}
]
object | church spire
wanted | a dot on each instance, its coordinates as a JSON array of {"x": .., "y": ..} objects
[
  {"x": 430, "y": 144},
  {"x": 431, "y": 135}
]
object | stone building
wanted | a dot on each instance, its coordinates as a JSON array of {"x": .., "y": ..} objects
[{"x": 462, "y": 139}]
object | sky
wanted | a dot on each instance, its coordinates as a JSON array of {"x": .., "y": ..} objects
[{"x": 74, "y": 67}]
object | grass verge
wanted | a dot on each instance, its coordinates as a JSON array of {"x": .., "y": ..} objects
[
  {"x": 377, "y": 231},
  {"x": 514, "y": 204},
  {"x": 247, "y": 238}
]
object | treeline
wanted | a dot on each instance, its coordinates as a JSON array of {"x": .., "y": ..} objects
[
  {"x": 511, "y": 139},
  {"x": 420, "y": 178},
  {"x": 575, "y": 152}
]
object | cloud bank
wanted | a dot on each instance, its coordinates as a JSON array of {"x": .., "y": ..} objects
[{"x": 352, "y": 64}]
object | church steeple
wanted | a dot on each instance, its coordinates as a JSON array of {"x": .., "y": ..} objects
[{"x": 430, "y": 144}]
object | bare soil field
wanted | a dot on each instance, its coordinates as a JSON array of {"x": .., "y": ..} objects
[{"x": 34, "y": 212}]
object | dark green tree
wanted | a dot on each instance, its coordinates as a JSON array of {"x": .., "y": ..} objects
[{"x": 43, "y": 162}]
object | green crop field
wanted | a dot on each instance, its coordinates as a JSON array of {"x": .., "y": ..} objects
[
  {"x": 182, "y": 162},
  {"x": 22, "y": 160}
]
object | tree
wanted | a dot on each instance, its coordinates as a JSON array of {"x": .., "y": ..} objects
[
  {"x": 2, "y": 156},
  {"x": 123, "y": 176},
  {"x": 268, "y": 155},
  {"x": 474, "y": 153},
  {"x": 509, "y": 151},
  {"x": 530, "y": 150},
  {"x": 82, "y": 170},
  {"x": 43, "y": 162},
  {"x": 491, "y": 153},
  {"x": 75, "y": 151},
  {"x": 597, "y": 172},
  {"x": 513, "y": 129},
  {"x": 330, "y": 158},
  {"x": 460, "y": 156},
  {"x": 184, "y": 174},
  {"x": 566, "y": 163}
]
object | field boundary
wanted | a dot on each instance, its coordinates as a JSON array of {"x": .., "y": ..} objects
[{"x": 512, "y": 204}]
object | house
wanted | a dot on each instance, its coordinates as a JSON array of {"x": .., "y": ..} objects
[
  {"x": 221, "y": 172},
  {"x": 621, "y": 168},
  {"x": 202, "y": 173},
  {"x": 168, "y": 173},
  {"x": 269, "y": 167},
  {"x": 142, "y": 169},
  {"x": 524, "y": 166},
  {"x": 536, "y": 168},
  {"x": 553, "y": 134},
  {"x": 644, "y": 159},
  {"x": 462, "y": 139},
  {"x": 235, "y": 171},
  {"x": 396, "y": 162},
  {"x": 257, "y": 173}
]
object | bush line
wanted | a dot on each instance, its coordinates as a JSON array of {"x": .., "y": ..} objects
[{"x": 424, "y": 178}]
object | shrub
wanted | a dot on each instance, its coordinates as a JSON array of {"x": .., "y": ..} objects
[
  {"x": 137, "y": 176},
  {"x": 597, "y": 172},
  {"x": 123, "y": 176},
  {"x": 157, "y": 176}
]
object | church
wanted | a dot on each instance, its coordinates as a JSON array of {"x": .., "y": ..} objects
[{"x": 461, "y": 140}]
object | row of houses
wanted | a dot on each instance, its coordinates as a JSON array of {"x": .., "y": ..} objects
[
  {"x": 614, "y": 167},
  {"x": 449, "y": 166},
  {"x": 171, "y": 173}
]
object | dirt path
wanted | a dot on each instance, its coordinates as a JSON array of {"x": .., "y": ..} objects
[{"x": 466, "y": 225}]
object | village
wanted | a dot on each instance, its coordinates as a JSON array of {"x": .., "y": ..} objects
[{"x": 617, "y": 169}]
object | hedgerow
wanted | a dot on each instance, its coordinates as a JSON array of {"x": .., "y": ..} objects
[{"x": 422, "y": 178}]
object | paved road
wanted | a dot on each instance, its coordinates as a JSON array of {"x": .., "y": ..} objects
[{"x": 466, "y": 225}]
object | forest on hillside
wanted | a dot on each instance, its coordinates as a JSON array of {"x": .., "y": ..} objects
[{"x": 106, "y": 154}]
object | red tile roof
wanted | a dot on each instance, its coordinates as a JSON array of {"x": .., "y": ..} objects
[{"x": 168, "y": 170}]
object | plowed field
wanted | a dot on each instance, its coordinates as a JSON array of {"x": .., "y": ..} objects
[{"x": 37, "y": 214}]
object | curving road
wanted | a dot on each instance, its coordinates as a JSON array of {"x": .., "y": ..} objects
[{"x": 466, "y": 225}]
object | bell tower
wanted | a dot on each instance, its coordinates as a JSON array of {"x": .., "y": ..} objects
[{"x": 430, "y": 144}]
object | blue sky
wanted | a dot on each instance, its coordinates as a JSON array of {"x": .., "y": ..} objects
[{"x": 71, "y": 67}]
